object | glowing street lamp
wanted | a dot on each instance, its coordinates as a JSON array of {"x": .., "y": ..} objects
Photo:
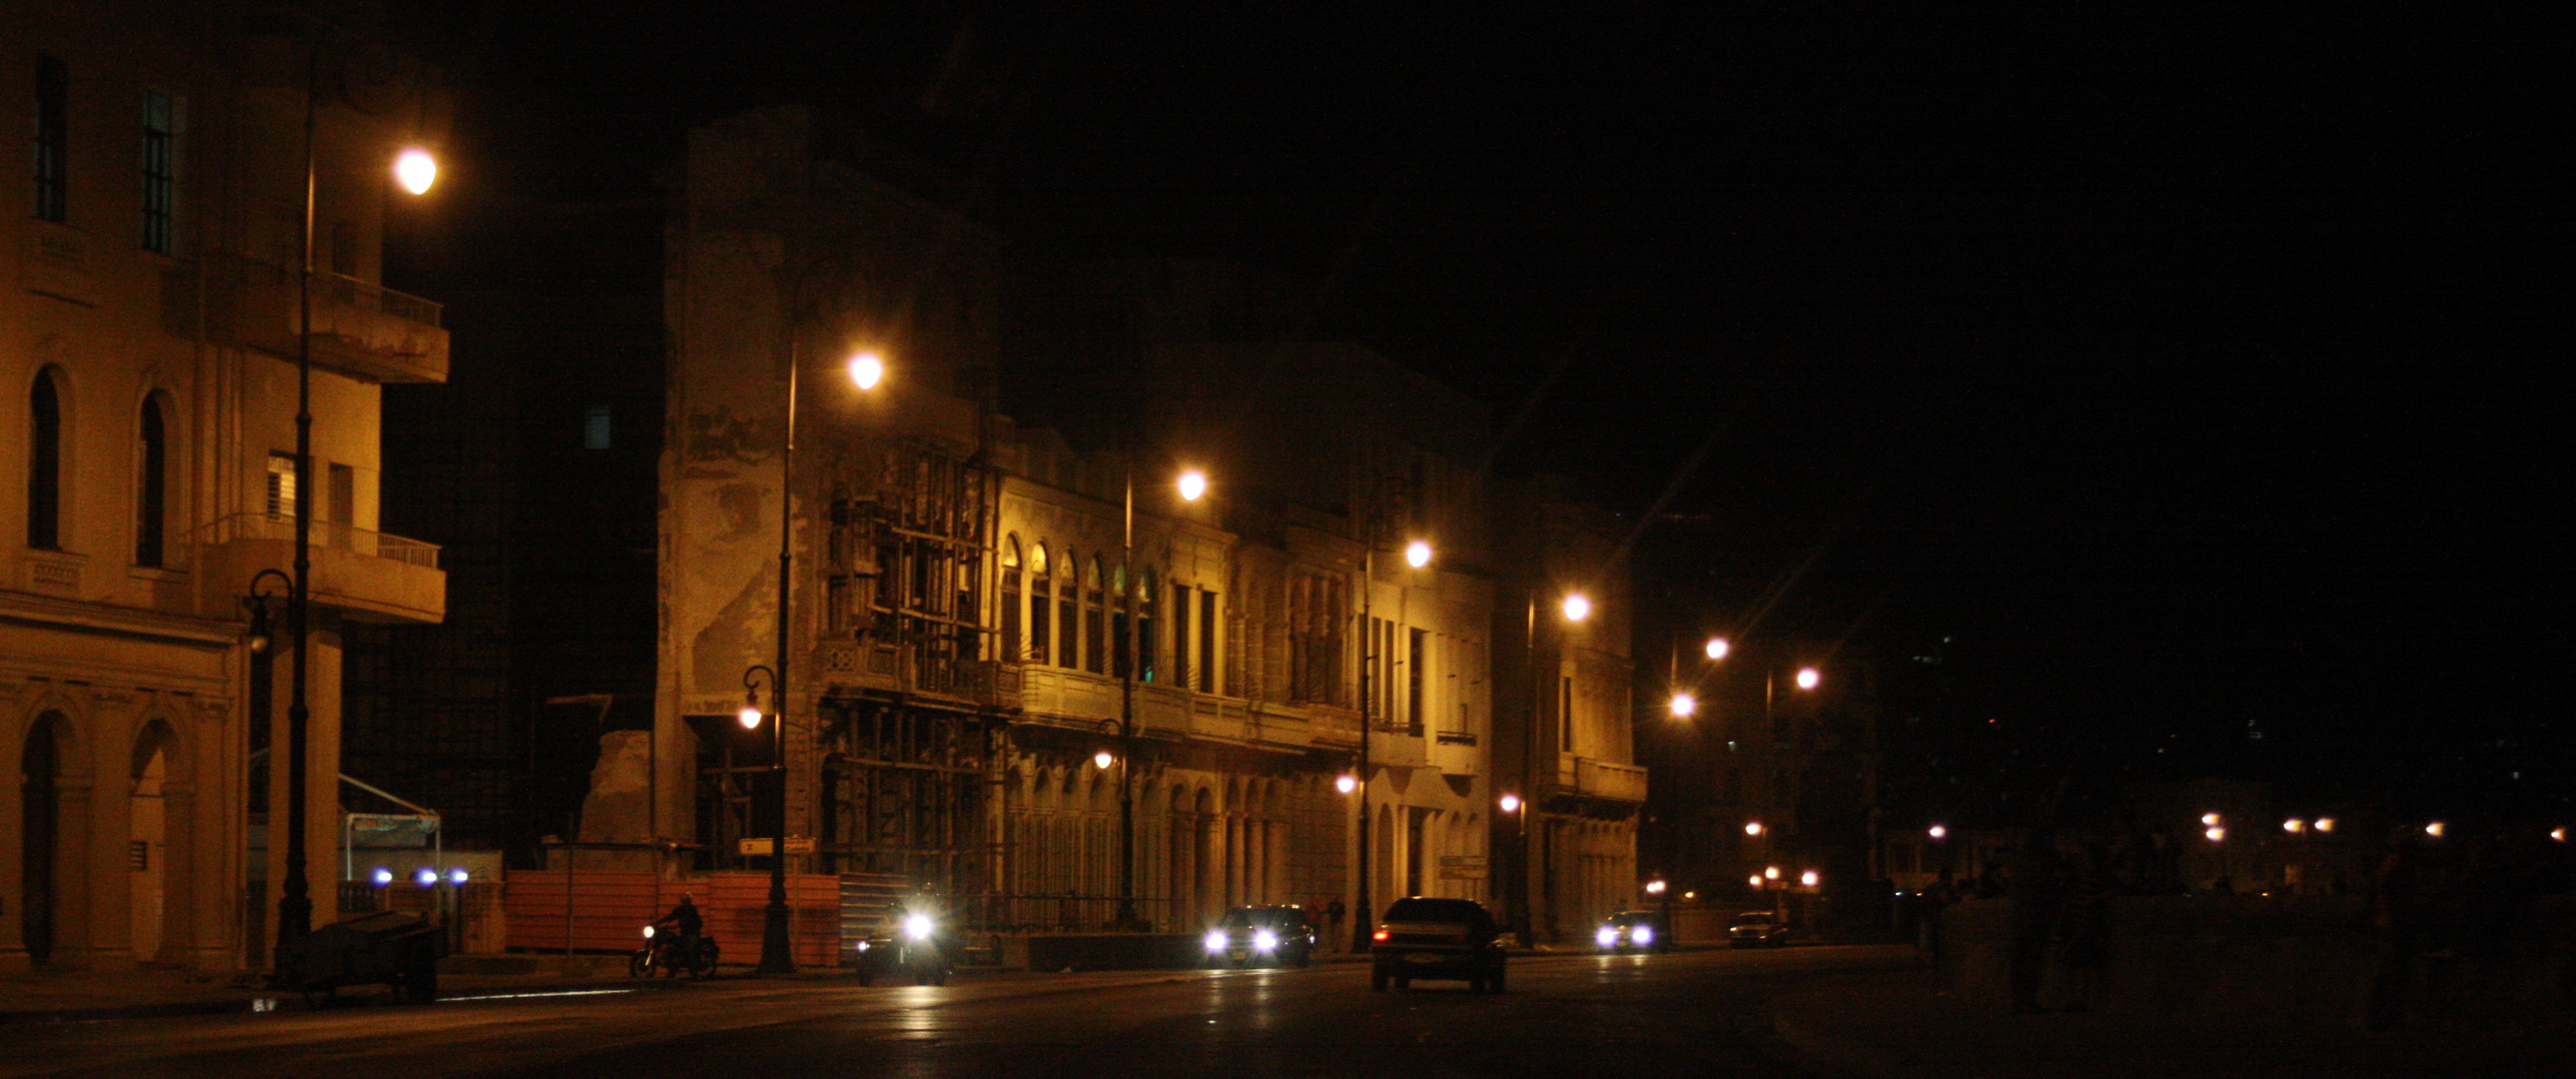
[
  {"x": 1577, "y": 608},
  {"x": 416, "y": 170},
  {"x": 2215, "y": 834},
  {"x": 1809, "y": 878},
  {"x": 1511, "y": 803},
  {"x": 2434, "y": 829},
  {"x": 1654, "y": 887},
  {"x": 1684, "y": 705},
  {"x": 1938, "y": 831},
  {"x": 1103, "y": 759},
  {"x": 1718, "y": 648},
  {"x": 2559, "y": 834},
  {"x": 2209, "y": 818},
  {"x": 1770, "y": 872},
  {"x": 1346, "y": 783},
  {"x": 866, "y": 370},
  {"x": 1193, "y": 483},
  {"x": 1807, "y": 678},
  {"x": 1753, "y": 827},
  {"x": 1417, "y": 554},
  {"x": 2325, "y": 824},
  {"x": 2294, "y": 826},
  {"x": 1754, "y": 882}
]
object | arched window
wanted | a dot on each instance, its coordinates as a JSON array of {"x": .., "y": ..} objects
[
  {"x": 1041, "y": 606},
  {"x": 1095, "y": 652},
  {"x": 1147, "y": 669},
  {"x": 152, "y": 484},
  {"x": 1068, "y": 614},
  {"x": 1119, "y": 643},
  {"x": 45, "y": 463},
  {"x": 1010, "y": 598}
]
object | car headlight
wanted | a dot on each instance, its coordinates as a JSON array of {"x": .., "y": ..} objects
[
  {"x": 1642, "y": 934},
  {"x": 1216, "y": 940},
  {"x": 1606, "y": 936},
  {"x": 1265, "y": 940},
  {"x": 917, "y": 926}
]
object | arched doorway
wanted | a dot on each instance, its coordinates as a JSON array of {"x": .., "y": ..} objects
[
  {"x": 40, "y": 816},
  {"x": 147, "y": 843}
]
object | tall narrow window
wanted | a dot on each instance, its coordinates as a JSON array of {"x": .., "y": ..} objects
[
  {"x": 1182, "y": 661},
  {"x": 595, "y": 428},
  {"x": 152, "y": 485},
  {"x": 1010, "y": 647},
  {"x": 45, "y": 465},
  {"x": 1068, "y": 615},
  {"x": 160, "y": 171},
  {"x": 1207, "y": 642},
  {"x": 1147, "y": 600},
  {"x": 1564, "y": 714},
  {"x": 1041, "y": 606},
  {"x": 1413, "y": 666},
  {"x": 1122, "y": 648},
  {"x": 53, "y": 137},
  {"x": 342, "y": 513},
  {"x": 1095, "y": 630},
  {"x": 281, "y": 486}
]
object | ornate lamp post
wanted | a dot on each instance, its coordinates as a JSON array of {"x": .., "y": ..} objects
[{"x": 416, "y": 171}]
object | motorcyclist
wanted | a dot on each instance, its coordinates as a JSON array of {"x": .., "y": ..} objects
[{"x": 685, "y": 921}]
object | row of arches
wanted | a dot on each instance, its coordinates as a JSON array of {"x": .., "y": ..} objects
[
  {"x": 49, "y": 467},
  {"x": 1408, "y": 844},
  {"x": 67, "y": 898},
  {"x": 1596, "y": 865},
  {"x": 1202, "y": 844}
]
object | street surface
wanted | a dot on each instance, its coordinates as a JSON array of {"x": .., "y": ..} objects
[{"x": 1565, "y": 1016}]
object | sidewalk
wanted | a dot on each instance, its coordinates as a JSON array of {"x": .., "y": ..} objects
[
  {"x": 1903, "y": 1025},
  {"x": 87, "y": 996}
]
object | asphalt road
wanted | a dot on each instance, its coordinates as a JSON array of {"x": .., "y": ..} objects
[{"x": 1565, "y": 1016}]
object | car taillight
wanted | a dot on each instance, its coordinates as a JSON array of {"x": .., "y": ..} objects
[{"x": 1379, "y": 935}]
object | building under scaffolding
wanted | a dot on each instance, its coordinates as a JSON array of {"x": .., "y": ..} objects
[{"x": 783, "y": 252}]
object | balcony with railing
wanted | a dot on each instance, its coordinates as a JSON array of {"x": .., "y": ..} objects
[
  {"x": 1606, "y": 780},
  {"x": 360, "y": 329},
  {"x": 367, "y": 575}
]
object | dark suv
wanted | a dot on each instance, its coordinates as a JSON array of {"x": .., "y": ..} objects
[
  {"x": 1437, "y": 938},
  {"x": 1253, "y": 936}
]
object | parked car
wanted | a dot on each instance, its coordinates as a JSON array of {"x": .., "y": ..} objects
[
  {"x": 1758, "y": 929},
  {"x": 1253, "y": 936},
  {"x": 1632, "y": 930},
  {"x": 1437, "y": 938}
]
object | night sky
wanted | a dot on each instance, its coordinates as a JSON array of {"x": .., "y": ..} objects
[{"x": 2190, "y": 372}]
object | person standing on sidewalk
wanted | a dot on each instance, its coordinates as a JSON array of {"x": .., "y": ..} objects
[{"x": 2033, "y": 888}]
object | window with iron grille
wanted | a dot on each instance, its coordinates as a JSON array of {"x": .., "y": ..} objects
[
  {"x": 53, "y": 137},
  {"x": 160, "y": 172}
]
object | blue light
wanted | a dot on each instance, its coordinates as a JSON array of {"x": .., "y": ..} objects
[
  {"x": 382, "y": 876},
  {"x": 425, "y": 877},
  {"x": 457, "y": 876}
]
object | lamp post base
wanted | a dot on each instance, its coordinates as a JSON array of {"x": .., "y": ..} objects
[{"x": 775, "y": 959}]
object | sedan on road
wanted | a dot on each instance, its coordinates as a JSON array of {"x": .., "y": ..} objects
[
  {"x": 1758, "y": 929},
  {"x": 1630, "y": 930},
  {"x": 1255, "y": 936},
  {"x": 1436, "y": 938}
]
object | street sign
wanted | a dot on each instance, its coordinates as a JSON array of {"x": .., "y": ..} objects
[
  {"x": 1462, "y": 867},
  {"x": 796, "y": 844}
]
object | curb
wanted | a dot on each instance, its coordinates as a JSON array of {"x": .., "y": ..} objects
[{"x": 262, "y": 1002}]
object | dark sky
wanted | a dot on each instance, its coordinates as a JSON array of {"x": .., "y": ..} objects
[{"x": 2196, "y": 368}]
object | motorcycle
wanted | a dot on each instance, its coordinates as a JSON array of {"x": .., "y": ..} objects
[
  {"x": 915, "y": 950},
  {"x": 666, "y": 951}
]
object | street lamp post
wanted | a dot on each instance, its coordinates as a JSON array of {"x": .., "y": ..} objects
[
  {"x": 773, "y": 930},
  {"x": 417, "y": 171},
  {"x": 865, "y": 369},
  {"x": 1191, "y": 485}
]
